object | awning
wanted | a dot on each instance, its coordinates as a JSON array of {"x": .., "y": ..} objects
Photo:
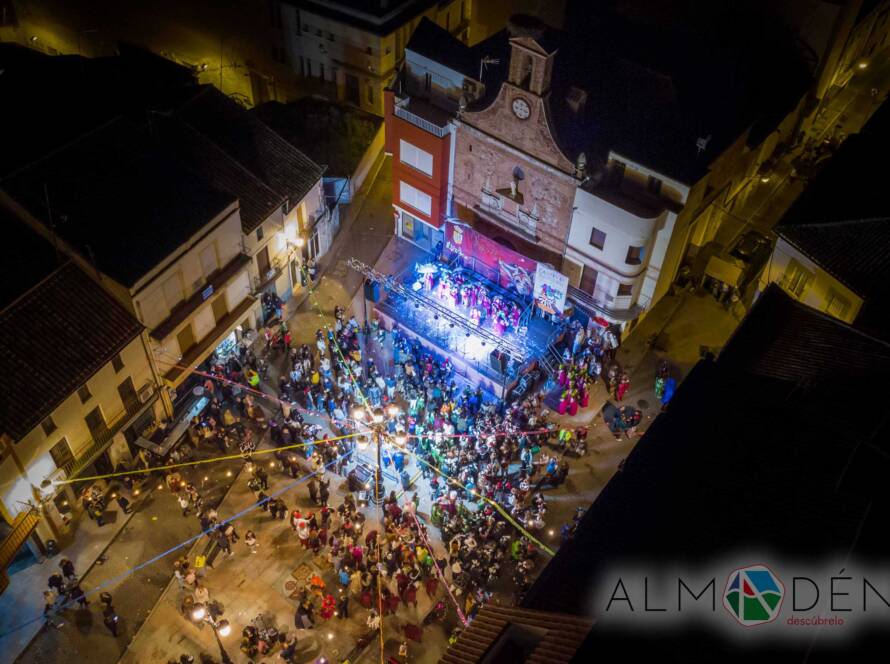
[
  {"x": 723, "y": 270},
  {"x": 176, "y": 431}
]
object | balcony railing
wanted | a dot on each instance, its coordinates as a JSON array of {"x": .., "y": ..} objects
[
  {"x": 400, "y": 110},
  {"x": 101, "y": 439},
  {"x": 597, "y": 307},
  {"x": 525, "y": 221},
  {"x": 22, "y": 528}
]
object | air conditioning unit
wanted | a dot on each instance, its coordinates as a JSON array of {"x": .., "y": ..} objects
[{"x": 145, "y": 392}]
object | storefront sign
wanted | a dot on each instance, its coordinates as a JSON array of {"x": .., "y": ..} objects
[
  {"x": 508, "y": 268},
  {"x": 550, "y": 289}
]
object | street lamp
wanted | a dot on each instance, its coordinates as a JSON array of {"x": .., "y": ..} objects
[
  {"x": 221, "y": 628},
  {"x": 376, "y": 430}
]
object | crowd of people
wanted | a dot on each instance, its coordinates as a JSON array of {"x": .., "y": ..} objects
[{"x": 486, "y": 464}]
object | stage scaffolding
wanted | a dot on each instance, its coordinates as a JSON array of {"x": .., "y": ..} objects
[{"x": 519, "y": 352}]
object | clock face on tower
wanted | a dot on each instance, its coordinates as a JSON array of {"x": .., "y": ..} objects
[{"x": 521, "y": 108}]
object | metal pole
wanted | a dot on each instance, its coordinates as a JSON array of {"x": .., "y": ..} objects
[{"x": 222, "y": 651}]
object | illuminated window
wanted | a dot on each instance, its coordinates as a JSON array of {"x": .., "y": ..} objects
[
  {"x": 415, "y": 198},
  {"x": 625, "y": 289},
  {"x": 415, "y": 157},
  {"x": 796, "y": 278}
]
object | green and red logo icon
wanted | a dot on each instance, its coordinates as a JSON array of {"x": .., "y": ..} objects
[{"x": 753, "y": 595}]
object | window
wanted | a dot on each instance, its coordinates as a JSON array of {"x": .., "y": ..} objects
[
  {"x": 838, "y": 306},
  {"x": 625, "y": 289},
  {"x": 259, "y": 234},
  {"x": 61, "y": 453},
  {"x": 653, "y": 186},
  {"x": 369, "y": 51},
  {"x": 208, "y": 260},
  {"x": 117, "y": 362},
  {"x": 48, "y": 425},
  {"x": 597, "y": 238},
  {"x": 415, "y": 157},
  {"x": 84, "y": 394},
  {"x": 330, "y": 36},
  {"x": 321, "y": 71},
  {"x": 370, "y": 94},
  {"x": 634, "y": 255},
  {"x": 796, "y": 278},
  {"x": 173, "y": 291},
  {"x": 415, "y": 198},
  {"x": 427, "y": 82}
]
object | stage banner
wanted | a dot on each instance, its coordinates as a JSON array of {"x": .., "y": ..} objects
[
  {"x": 508, "y": 268},
  {"x": 550, "y": 289}
]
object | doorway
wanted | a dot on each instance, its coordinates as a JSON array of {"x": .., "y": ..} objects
[
  {"x": 96, "y": 424},
  {"x": 128, "y": 395},
  {"x": 263, "y": 264},
  {"x": 353, "y": 95}
]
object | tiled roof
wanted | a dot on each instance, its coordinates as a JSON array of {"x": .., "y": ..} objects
[
  {"x": 256, "y": 199},
  {"x": 52, "y": 340},
  {"x": 779, "y": 447},
  {"x": 329, "y": 133},
  {"x": 856, "y": 253},
  {"x": 121, "y": 197},
  {"x": 269, "y": 159},
  {"x": 563, "y": 634}
]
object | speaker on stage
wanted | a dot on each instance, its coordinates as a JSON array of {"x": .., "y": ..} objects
[
  {"x": 372, "y": 290},
  {"x": 498, "y": 360}
]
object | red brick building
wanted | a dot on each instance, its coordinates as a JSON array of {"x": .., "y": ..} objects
[{"x": 512, "y": 181}]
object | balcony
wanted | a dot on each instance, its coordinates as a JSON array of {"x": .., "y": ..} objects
[
  {"x": 216, "y": 282},
  {"x": 196, "y": 354},
  {"x": 423, "y": 115},
  {"x": 102, "y": 439},
  {"x": 596, "y": 307},
  {"x": 524, "y": 221}
]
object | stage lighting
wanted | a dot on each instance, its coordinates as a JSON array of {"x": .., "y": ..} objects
[
  {"x": 451, "y": 325},
  {"x": 468, "y": 335},
  {"x": 436, "y": 317}
]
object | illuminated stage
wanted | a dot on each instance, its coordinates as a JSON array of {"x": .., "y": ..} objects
[{"x": 449, "y": 327}]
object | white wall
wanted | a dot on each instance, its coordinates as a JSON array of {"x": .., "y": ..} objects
[
  {"x": 33, "y": 449},
  {"x": 224, "y": 243},
  {"x": 819, "y": 290}
]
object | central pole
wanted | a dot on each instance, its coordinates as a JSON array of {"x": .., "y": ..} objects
[
  {"x": 222, "y": 651},
  {"x": 378, "y": 480}
]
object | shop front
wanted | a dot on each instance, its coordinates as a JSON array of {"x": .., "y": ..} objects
[{"x": 424, "y": 235}]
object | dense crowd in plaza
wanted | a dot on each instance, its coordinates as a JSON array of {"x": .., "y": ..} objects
[{"x": 485, "y": 463}]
